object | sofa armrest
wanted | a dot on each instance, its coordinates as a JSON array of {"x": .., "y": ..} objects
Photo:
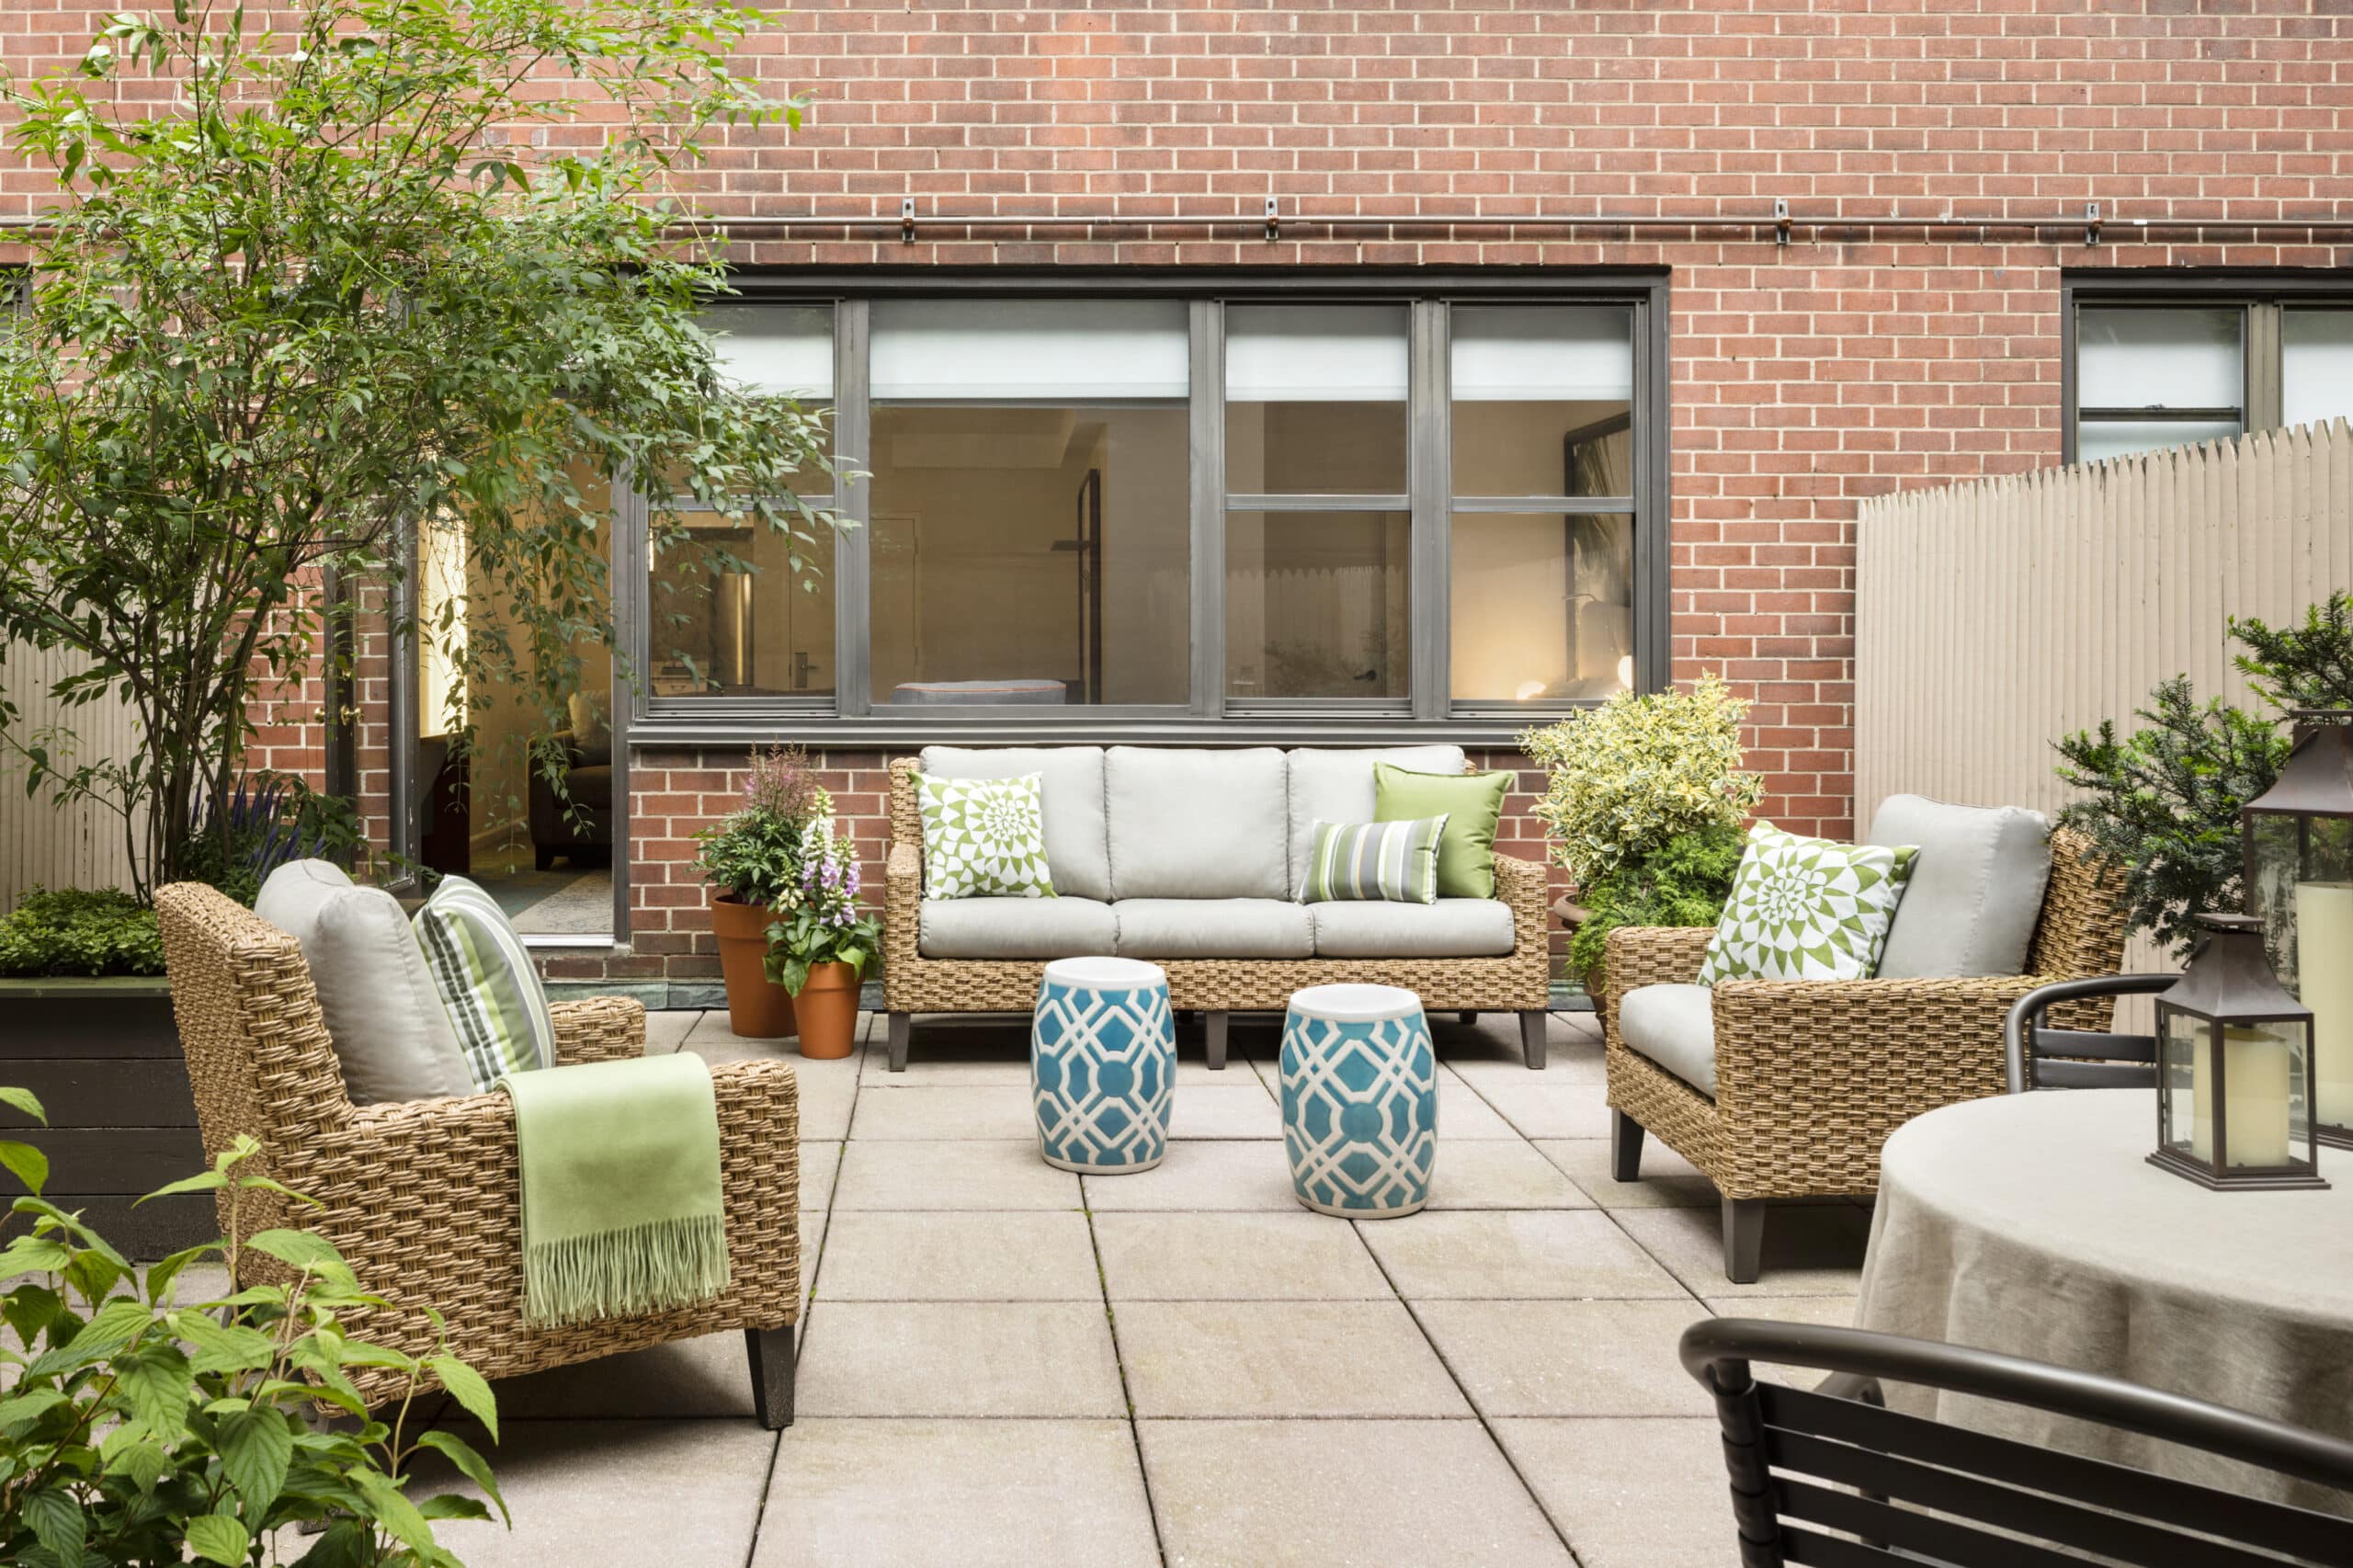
[
  {"x": 598, "y": 1028},
  {"x": 1636, "y": 956},
  {"x": 1522, "y": 884},
  {"x": 901, "y": 913}
]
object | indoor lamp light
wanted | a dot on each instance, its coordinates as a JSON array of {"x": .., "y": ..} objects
[
  {"x": 2234, "y": 1068},
  {"x": 2298, "y": 843}
]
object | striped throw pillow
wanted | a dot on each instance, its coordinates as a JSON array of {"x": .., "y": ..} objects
[
  {"x": 1393, "y": 860},
  {"x": 486, "y": 982}
]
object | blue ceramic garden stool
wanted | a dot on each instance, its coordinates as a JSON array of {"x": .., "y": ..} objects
[
  {"x": 1359, "y": 1101},
  {"x": 1102, "y": 1065}
]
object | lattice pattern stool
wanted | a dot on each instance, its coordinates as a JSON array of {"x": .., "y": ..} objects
[
  {"x": 1102, "y": 1065},
  {"x": 1360, "y": 1081}
]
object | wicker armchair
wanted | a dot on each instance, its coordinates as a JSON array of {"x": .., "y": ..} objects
[
  {"x": 1812, "y": 1076},
  {"x": 422, "y": 1197}
]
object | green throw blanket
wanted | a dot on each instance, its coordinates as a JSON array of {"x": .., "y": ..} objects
[{"x": 621, "y": 1208}]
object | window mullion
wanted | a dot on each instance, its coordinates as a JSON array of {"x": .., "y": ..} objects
[
  {"x": 1430, "y": 484},
  {"x": 1208, "y": 479},
  {"x": 2264, "y": 398},
  {"x": 853, "y": 554}
]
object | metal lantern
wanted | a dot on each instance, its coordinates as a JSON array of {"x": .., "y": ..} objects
[
  {"x": 2298, "y": 838},
  {"x": 2234, "y": 1068}
]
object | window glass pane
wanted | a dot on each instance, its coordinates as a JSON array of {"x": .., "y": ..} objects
[
  {"x": 1028, "y": 351},
  {"x": 1543, "y": 605},
  {"x": 1542, "y": 396},
  {"x": 2315, "y": 366},
  {"x": 778, "y": 348},
  {"x": 2167, "y": 357},
  {"x": 730, "y": 617},
  {"x": 1030, "y": 555},
  {"x": 1317, "y": 604},
  {"x": 2098, "y": 439},
  {"x": 1315, "y": 400}
]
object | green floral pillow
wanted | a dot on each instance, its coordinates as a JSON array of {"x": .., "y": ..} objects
[
  {"x": 1806, "y": 909},
  {"x": 985, "y": 838}
]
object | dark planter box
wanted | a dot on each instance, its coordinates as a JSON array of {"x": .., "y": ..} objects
[{"x": 105, "y": 1058}]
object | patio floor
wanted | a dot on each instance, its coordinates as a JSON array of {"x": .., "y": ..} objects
[{"x": 1003, "y": 1363}]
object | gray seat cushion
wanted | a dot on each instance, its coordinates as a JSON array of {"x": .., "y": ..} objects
[
  {"x": 1196, "y": 823},
  {"x": 1062, "y": 928},
  {"x": 1212, "y": 928},
  {"x": 1976, "y": 887},
  {"x": 392, "y": 1035},
  {"x": 1078, "y": 853},
  {"x": 1675, "y": 1027},
  {"x": 1450, "y": 929},
  {"x": 1334, "y": 784}
]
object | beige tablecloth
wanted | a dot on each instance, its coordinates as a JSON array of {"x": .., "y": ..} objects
[{"x": 2033, "y": 1224}]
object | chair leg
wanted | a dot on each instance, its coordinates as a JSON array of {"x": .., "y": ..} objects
[
  {"x": 902, "y": 1028},
  {"x": 1625, "y": 1146},
  {"x": 1532, "y": 1037},
  {"x": 1467, "y": 1017},
  {"x": 1743, "y": 1239},
  {"x": 1214, "y": 1024},
  {"x": 771, "y": 1351}
]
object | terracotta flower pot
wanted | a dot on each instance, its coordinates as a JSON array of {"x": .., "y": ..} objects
[
  {"x": 757, "y": 1007},
  {"x": 827, "y": 1008}
]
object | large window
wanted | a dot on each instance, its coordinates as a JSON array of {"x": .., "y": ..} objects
[
  {"x": 1141, "y": 507},
  {"x": 2164, "y": 368}
]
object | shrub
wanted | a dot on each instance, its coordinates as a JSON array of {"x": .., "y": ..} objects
[
  {"x": 1640, "y": 770},
  {"x": 755, "y": 856},
  {"x": 2301, "y": 666},
  {"x": 141, "y": 1429},
  {"x": 1682, "y": 883},
  {"x": 77, "y": 932}
]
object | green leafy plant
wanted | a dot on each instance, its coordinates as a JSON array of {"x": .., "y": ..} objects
[
  {"x": 1639, "y": 770},
  {"x": 2161, "y": 806},
  {"x": 1682, "y": 883},
  {"x": 143, "y": 1430},
  {"x": 755, "y": 855},
  {"x": 309, "y": 293},
  {"x": 825, "y": 924},
  {"x": 74, "y": 931},
  {"x": 2309, "y": 666}
]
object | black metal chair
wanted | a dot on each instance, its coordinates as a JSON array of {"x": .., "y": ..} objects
[
  {"x": 2040, "y": 1057},
  {"x": 1841, "y": 1480}
]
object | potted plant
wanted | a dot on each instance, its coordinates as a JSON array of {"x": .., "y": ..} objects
[
  {"x": 754, "y": 861},
  {"x": 1645, "y": 803},
  {"x": 820, "y": 948}
]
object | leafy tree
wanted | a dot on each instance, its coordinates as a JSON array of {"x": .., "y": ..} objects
[
  {"x": 309, "y": 292},
  {"x": 2301, "y": 666},
  {"x": 1683, "y": 882}
]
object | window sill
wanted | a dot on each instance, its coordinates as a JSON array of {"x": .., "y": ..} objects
[{"x": 937, "y": 727}]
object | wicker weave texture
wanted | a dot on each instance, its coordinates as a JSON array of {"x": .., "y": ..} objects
[
  {"x": 1812, "y": 1076},
  {"x": 913, "y": 984},
  {"x": 421, "y": 1198}
]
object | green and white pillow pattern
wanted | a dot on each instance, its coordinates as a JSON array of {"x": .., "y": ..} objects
[
  {"x": 486, "y": 982},
  {"x": 1806, "y": 909},
  {"x": 985, "y": 838},
  {"x": 1395, "y": 861}
]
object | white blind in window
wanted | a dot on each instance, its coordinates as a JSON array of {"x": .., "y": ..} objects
[
  {"x": 1543, "y": 354},
  {"x": 778, "y": 348},
  {"x": 2161, "y": 356},
  {"x": 2315, "y": 366},
  {"x": 1315, "y": 353},
  {"x": 1030, "y": 350}
]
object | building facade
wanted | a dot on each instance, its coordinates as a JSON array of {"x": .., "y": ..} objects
[{"x": 1359, "y": 372}]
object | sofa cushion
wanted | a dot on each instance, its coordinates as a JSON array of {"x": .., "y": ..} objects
[
  {"x": 392, "y": 1036},
  {"x": 1976, "y": 887},
  {"x": 1675, "y": 1027},
  {"x": 1069, "y": 798},
  {"x": 1334, "y": 784},
  {"x": 1015, "y": 929},
  {"x": 1192, "y": 823},
  {"x": 1450, "y": 929},
  {"x": 1212, "y": 928}
]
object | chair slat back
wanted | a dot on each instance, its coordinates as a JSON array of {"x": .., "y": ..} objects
[{"x": 2041, "y": 1057}]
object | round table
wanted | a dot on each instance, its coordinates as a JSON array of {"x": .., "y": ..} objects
[{"x": 2033, "y": 1224}]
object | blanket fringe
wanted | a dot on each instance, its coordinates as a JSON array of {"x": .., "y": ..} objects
[{"x": 625, "y": 1273}]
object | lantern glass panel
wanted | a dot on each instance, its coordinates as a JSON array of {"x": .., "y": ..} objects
[{"x": 2181, "y": 1048}]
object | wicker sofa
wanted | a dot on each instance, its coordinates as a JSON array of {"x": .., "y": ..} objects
[
  {"x": 1811, "y": 1076},
  {"x": 421, "y": 1196},
  {"x": 1189, "y": 859}
]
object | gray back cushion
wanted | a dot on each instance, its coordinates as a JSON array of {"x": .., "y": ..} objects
[
  {"x": 392, "y": 1036},
  {"x": 1976, "y": 887},
  {"x": 1196, "y": 823},
  {"x": 1078, "y": 853},
  {"x": 1331, "y": 784}
]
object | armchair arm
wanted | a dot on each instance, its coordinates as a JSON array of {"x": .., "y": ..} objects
[
  {"x": 902, "y": 915},
  {"x": 1636, "y": 956},
  {"x": 599, "y": 1028},
  {"x": 1521, "y": 884}
]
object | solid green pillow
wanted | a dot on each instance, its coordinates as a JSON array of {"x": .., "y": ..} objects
[{"x": 1472, "y": 805}]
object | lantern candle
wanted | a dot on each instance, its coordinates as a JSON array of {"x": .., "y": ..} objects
[
  {"x": 2324, "y": 983},
  {"x": 2255, "y": 1068}
]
